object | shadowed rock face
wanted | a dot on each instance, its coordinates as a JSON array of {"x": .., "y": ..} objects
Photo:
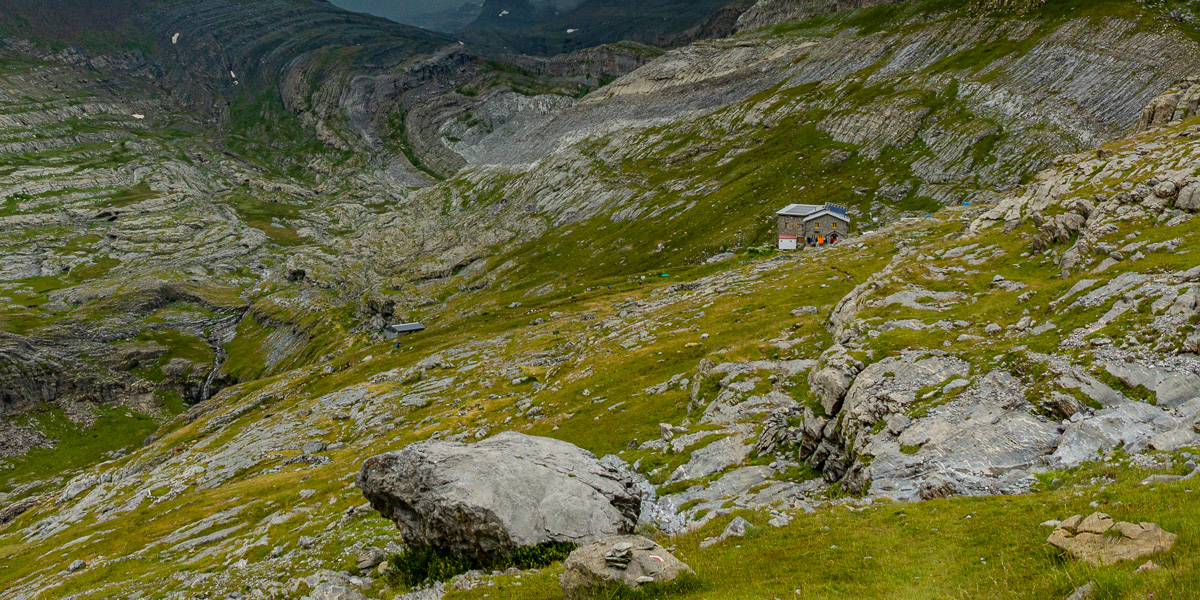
[
  {"x": 512, "y": 490},
  {"x": 770, "y": 12},
  {"x": 216, "y": 47},
  {"x": 549, "y": 28},
  {"x": 66, "y": 19}
]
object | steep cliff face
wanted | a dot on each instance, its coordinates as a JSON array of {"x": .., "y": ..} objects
[
  {"x": 771, "y": 12},
  {"x": 547, "y": 29},
  {"x": 215, "y": 48}
]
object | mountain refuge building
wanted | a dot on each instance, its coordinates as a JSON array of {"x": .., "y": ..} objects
[{"x": 812, "y": 225}]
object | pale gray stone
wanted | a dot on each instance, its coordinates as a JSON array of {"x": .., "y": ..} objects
[
  {"x": 588, "y": 569},
  {"x": 507, "y": 491}
]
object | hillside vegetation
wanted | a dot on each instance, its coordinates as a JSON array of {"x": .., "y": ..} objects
[{"x": 193, "y": 303}]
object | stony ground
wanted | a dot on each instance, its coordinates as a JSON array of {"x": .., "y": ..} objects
[{"x": 1020, "y": 359}]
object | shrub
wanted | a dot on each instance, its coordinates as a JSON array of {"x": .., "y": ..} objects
[
  {"x": 536, "y": 557},
  {"x": 421, "y": 565},
  {"x": 416, "y": 566},
  {"x": 710, "y": 387}
]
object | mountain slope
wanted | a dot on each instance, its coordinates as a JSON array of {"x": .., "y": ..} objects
[
  {"x": 236, "y": 481},
  {"x": 940, "y": 108},
  {"x": 590, "y": 249},
  {"x": 520, "y": 27}
]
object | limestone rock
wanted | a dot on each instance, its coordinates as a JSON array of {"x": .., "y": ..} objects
[
  {"x": 736, "y": 528},
  {"x": 591, "y": 568},
  {"x": 369, "y": 558},
  {"x": 433, "y": 592},
  {"x": 830, "y": 382},
  {"x": 804, "y": 311},
  {"x": 1189, "y": 197},
  {"x": 1134, "y": 425},
  {"x": 14, "y": 510},
  {"x": 984, "y": 441},
  {"x": 1086, "y": 591},
  {"x": 1099, "y": 540},
  {"x": 507, "y": 491},
  {"x": 1173, "y": 105},
  {"x": 330, "y": 591}
]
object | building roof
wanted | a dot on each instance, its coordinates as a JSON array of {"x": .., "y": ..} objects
[
  {"x": 800, "y": 210},
  {"x": 823, "y": 212},
  {"x": 408, "y": 327},
  {"x": 812, "y": 210}
]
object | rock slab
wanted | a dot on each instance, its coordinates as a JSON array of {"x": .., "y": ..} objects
[
  {"x": 330, "y": 591},
  {"x": 1099, "y": 540},
  {"x": 485, "y": 499},
  {"x": 629, "y": 561}
]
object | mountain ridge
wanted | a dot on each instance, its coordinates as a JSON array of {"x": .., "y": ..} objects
[{"x": 199, "y": 277}]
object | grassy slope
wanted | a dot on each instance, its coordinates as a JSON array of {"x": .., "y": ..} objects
[
  {"x": 960, "y": 548},
  {"x": 1002, "y": 531},
  {"x": 997, "y": 552}
]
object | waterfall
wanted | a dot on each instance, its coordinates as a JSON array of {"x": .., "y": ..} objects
[
  {"x": 219, "y": 355},
  {"x": 218, "y": 360}
]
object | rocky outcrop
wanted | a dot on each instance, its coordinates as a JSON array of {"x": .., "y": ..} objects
[
  {"x": 331, "y": 591},
  {"x": 15, "y": 509},
  {"x": 1099, "y": 540},
  {"x": 1133, "y": 426},
  {"x": 1172, "y": 106},
  {"x": 956, "y": 437},
  {"x": 31, "y": 375},
  {"x": 618, "y": 562},
  {"x": 485, "y": 499}
]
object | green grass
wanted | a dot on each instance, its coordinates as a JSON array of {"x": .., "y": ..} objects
[
  {"x": 78, "y": 447},
  {"x": 262, "y": 215},
  {"x": 954, "y": 548},
  {"x": 263, "y": 132},
  {"x": 738, "y": 176},
  {"x": 133, "y": 195}
]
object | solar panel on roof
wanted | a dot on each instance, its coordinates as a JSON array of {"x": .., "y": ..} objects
[{"x": 408, "y": 327}]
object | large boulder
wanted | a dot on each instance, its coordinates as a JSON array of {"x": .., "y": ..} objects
[
  {"x": 483, "y": 500},
  {"x": 1098, "y": 540},
  {"x": 625, "y": 561}
]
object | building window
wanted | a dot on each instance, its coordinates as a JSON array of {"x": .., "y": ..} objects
[{"x": 835, "y": 224}]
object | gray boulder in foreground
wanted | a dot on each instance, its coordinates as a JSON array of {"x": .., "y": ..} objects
[
  {"x": 629, "y": 561},
  {"x": 485, "y": 499}
]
